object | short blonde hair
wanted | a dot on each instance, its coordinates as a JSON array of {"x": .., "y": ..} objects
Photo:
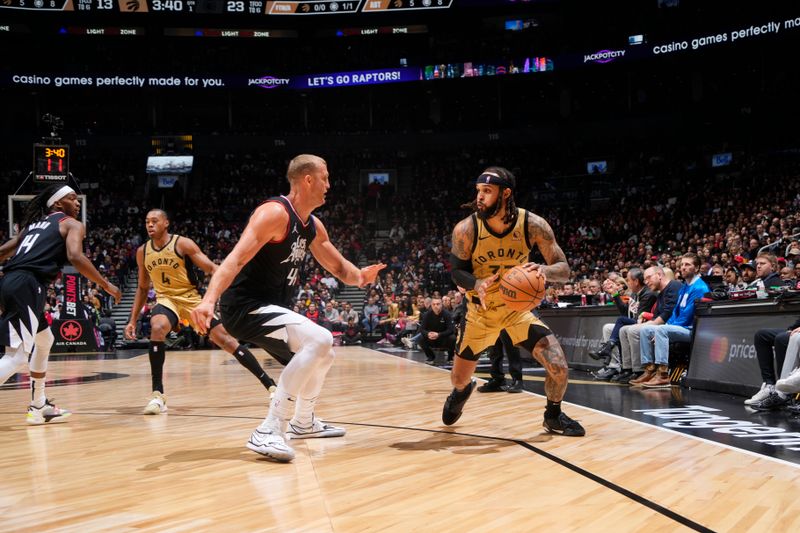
[
  {"x": 772, "y": 258},
  {"x": 302, "y": 165}
]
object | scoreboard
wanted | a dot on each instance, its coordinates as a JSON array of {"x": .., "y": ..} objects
[
  {"x": 216, "y": 7},
  {"x": 50, "y": 162}
]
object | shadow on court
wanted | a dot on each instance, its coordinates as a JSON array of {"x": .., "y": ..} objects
[
  {"x": 239, "y": 453},
  {"x": 457, "y": 444}
]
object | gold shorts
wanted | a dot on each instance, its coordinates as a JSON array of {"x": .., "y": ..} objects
[
  {"x": 483, "y": 326},
  {"x": 181, "y": 305}
]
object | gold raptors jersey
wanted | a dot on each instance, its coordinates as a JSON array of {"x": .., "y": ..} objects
[
  {"x": 496, "y": 253},
  {"x": 168, "y": 270}
]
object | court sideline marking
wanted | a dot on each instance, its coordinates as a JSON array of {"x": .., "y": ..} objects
[
  {"x": 633, "y": 420},
  {"x": 668, "y": 513}
]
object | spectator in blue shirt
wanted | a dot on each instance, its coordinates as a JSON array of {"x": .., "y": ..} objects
[{"x": 654, "y": 340}]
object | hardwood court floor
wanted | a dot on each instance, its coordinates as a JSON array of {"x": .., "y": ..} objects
[{"x": 398, "y": 468}]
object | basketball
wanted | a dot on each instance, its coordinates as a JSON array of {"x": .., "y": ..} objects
[{"x": 522, "y": 290}]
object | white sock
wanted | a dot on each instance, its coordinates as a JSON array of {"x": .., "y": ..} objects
[
  {"x": 280, "y": 410},
  {"x": 38, "y": 398},
  {"x": 304, "y": 412},
  {"x": 38, "y": 364}
]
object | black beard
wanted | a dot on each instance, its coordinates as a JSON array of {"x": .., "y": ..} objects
[{"x": 489, "y": 211}]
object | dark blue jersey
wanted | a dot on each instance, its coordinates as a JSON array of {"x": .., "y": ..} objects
[
  {"x": 41, "y": 250},
  {"x": 272, "y": 275}
]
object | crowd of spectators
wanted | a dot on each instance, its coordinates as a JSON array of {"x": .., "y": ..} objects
[
  {"x": 726, "y": 226},
  {"x": 726, "y": 218}
]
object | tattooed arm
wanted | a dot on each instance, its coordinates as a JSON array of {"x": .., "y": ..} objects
[
  {"x": 463, "y": 237},
  {"x": 461, "y": 259},
  {"x": 541, "y": 235},
  {"x": 461, "y": 254}
]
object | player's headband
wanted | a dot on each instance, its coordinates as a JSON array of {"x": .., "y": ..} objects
[
  {"x": 59, "y": 194},
  {"x": 494, "y": 179}
]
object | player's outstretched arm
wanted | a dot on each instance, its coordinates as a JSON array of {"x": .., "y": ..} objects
[
  {"x": 8, "y": 247},
  {"x": 270, "y": 221},
  {"x": 74, "y": 243},
  {"x": 141, "y": 294},
  {"x": 542, "y": 236},
  {"x": 334, "y": 262}
]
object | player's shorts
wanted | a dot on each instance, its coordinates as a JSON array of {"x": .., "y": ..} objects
[
  {"x": 22, "y": 300},
  {"x": 264, "y": 326},
  {"x": 481, "y": 328},
  {"x": 179, "y": 308}
]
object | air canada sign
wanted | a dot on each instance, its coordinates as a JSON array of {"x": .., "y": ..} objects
[
  {"x": 71, "y": 330},
  {"x": 73, "y": 335}
]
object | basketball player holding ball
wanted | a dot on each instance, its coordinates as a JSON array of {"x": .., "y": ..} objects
[{"x": 497, "y": 237}]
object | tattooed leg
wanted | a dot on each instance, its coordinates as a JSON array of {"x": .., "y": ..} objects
[{"x": 549, "y": 353}]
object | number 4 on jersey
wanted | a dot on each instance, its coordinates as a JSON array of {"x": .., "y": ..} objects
[
  {"x": 164, "y": 278},
  {"x": 293, "y": 275},
  {"x": 27, "y": 243}
]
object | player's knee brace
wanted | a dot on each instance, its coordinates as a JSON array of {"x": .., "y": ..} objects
[
  {"x": 311, "y": 336},
  {"x": 324, "y": 342},
  {"x": 44, "y": 341},
  {"x": 326, "y": 337}
]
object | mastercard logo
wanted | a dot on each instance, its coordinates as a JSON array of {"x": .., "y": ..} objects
[{"x": 719, "y": 349}]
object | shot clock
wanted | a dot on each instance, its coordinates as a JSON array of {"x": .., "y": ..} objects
[{"x": 50, "y": 162}]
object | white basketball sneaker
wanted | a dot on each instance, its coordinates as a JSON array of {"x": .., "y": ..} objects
[
  {"x": 156, "y": 405},
  {"x": 317, "y": 430},
  {"x": 760, "y": 395},
  {"x": 270, "y": 443},
  {"x": 47, "y": 414},
  {"x": 790, "y": 384}
]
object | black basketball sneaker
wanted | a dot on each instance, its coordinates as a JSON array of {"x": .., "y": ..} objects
[
  {"x": 493, "y": 385},
  {"x": 454, "y": 403},
  {"x": 564, "y": 425}
]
